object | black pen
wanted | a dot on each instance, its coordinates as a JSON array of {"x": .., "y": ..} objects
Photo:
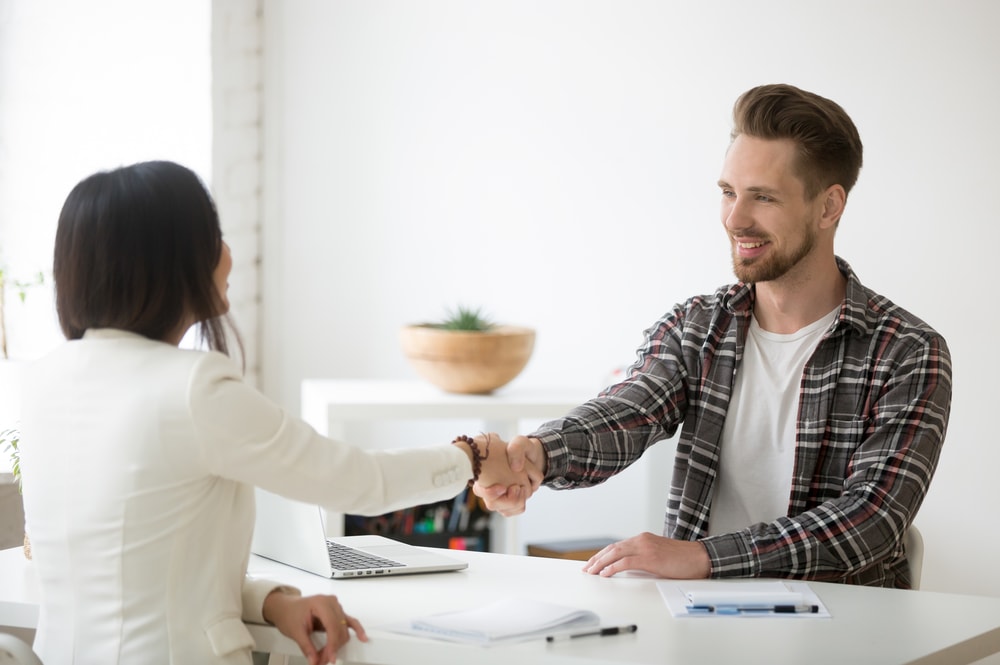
[{"x": 600, "y": 632}]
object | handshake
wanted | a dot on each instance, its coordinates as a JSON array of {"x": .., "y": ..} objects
[{"x": 510, "y": 472}]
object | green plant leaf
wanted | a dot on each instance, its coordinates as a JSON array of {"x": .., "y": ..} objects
[
  {"x": 465, "y": 318},
  {"x": 9, "y": 439}
]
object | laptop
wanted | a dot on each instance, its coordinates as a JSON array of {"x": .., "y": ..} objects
[{"x": 293, "y": 533}]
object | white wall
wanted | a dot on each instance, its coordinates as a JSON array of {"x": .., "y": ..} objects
[
  {"x": 555, "y": 161},
  {"x": 85, "y": 87}
]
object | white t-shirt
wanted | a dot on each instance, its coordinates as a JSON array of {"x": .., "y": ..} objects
[{"x": 758, "y": 440}]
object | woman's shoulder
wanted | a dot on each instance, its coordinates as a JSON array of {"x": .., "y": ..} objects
[{"x": 116, "y": 353}]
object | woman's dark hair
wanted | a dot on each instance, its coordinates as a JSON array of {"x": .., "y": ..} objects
[
  {"x": 135, "y": 250},
  {"x": 829, "y": 146}
]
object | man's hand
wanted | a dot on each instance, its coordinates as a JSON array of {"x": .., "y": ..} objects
[
  {"x": 660, "y": 556},
  {"x": 524, "y": 456},
  {"x": 496, "y": 473},
  {"x": 297, "y": 617}
]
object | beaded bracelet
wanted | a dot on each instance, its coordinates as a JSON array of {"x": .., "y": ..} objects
[{"x": 477, "y": 457}]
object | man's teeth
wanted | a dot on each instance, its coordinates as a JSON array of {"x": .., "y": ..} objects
[{"x": 750, "y": 245}]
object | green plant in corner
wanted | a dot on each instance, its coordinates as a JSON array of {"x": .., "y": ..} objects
[
  {"x": 21, "y": 288},
  {"x": 465, "y": 318},
  {"x": 9, "y": 439}
]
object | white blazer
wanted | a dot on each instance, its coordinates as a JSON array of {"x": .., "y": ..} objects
[{"x": 139, "y": 464}]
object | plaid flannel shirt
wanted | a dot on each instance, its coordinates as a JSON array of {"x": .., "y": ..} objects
[{"x": 874, "y": 403}]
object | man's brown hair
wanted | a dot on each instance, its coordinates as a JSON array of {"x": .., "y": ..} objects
[{"x": 829, "y": 147}]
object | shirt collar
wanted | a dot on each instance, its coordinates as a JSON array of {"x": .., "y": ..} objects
[
  {"x": 739, "y": 300},
  {"x": 110, "y": 333}
]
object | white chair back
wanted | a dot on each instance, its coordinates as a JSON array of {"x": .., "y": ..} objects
[
  {"x": 914, "y": 544},
  {"x": 15, "y": 651}
]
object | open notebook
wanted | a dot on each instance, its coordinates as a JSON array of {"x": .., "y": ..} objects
[
  {"x": 293, "y": 533},
  {"x": 502, "y": 621}
]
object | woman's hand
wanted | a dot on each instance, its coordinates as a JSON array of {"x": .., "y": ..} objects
[{"x": 297, "y": 616}]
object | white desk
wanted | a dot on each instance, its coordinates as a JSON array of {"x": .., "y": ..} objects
[
  {"x": 328, "y": 405},
  {"x": 869, "y": 625}
]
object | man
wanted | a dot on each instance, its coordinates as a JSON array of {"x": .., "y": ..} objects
[{"x": 812, "y": 410}]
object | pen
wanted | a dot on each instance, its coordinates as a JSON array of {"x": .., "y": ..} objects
[
  {"x": 600, "y": 632},
  {"x": 768, "y": 609}
]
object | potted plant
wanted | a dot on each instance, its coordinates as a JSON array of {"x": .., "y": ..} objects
[
  {"x": 10, "y": 369},
  {"x": 10, "y": 376},
  {"x": 21, "y": 288},
  {"x": 9, "y": 440},
  {"x": 467, "y": 352}
]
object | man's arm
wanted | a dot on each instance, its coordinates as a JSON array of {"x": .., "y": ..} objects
[{"x": 664, "y": 557}]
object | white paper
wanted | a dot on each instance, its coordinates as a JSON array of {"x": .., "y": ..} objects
[
  {"x": 677, "y": 595},
  {"x": 507, "y": 620}
]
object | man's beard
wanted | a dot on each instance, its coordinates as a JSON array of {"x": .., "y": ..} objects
[{"x": 772, "y": 266}]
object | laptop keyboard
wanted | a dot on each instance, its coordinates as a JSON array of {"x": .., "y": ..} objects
[{"x": 348, "y": 558}]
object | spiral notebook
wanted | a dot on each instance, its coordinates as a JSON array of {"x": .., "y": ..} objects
[{"x": 501, "y": 622}]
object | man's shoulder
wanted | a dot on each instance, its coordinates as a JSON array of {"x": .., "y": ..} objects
[
  {"x": 730, "y": 298},
  {"x": 882, "y": 314},
  {"x": 885, "y": 332},
  {"x": 706, "y": 315},
  {"x": 873, "y": 314}
]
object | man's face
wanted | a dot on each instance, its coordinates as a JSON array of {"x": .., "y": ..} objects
[{"x": 771, "y": 226}]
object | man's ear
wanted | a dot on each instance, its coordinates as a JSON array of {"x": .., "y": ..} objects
[{"x": 834, "y": 200}]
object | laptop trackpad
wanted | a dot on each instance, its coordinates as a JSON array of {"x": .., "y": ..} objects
[{"x": 403, "y": 554}]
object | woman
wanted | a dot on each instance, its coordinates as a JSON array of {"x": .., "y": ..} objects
[{"x": 140, "y": 458}]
